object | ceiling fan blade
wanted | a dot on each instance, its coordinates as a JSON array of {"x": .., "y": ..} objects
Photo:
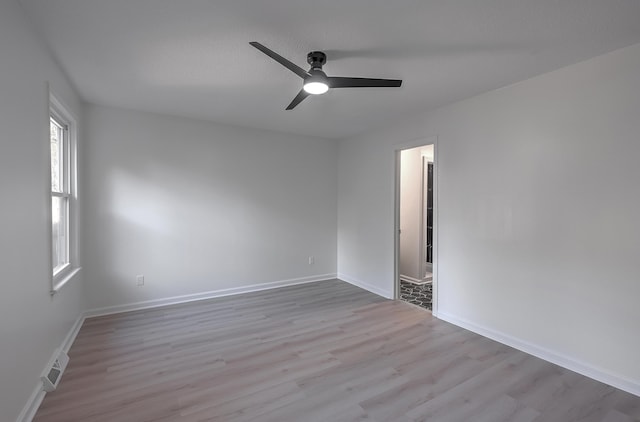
[
  {"x": 340, "y": 82},
  {"x": 277, "y": 57},
  {"x": 301, "y": 96}
]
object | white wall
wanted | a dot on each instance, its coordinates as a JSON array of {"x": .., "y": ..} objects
[
  {"x": 32, "y": 323},
  {"x": 199, "y": 207},
  {"x": 538, "y": 202},
  {"x": 410, "y": 213}
]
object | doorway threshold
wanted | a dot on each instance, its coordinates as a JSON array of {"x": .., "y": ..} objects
[{"x": 417, "y": 294}]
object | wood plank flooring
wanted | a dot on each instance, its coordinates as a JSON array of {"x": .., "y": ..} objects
[{"x": 325, "y": 351}]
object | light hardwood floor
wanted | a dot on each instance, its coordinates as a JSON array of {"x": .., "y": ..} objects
[{"x": 325, "y": 351}]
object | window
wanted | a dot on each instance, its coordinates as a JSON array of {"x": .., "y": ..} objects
[
  {"x": 59, "y": 195},
  {"x": 62, "y": 149}
]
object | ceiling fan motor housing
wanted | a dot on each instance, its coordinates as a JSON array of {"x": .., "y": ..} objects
[{"x": 316, "y": 59}]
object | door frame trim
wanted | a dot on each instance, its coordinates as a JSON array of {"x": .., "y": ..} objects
[{"x": 397, "y": 149}]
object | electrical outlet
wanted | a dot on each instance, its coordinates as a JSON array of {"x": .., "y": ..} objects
[
  {"x": 311, "y": 260},
  {"x": 140, "y": 280}
]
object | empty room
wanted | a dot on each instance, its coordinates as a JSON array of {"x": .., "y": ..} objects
[{"x": 202, "y": 221}]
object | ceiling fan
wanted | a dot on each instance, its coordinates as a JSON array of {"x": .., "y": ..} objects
[{"x": 316, "y": 81}]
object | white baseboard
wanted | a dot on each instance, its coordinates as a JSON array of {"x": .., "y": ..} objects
[
  {"x": 72, "y": 334},
  {"x": 35, "y": 400},
  {"x": 588, "y": 370},
  {"x": 410, "y": 279},
  {"x": 205, "y": 295},
  {"x": 415, "y": 280},
  {"x": 629, "y": 385},
  {"x": 364, "y": 285}
]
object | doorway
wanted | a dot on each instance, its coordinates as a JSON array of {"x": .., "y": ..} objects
[{"x": 415, "y": 225}]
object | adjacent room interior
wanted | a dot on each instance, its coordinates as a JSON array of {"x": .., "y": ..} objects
[
  {"x": 201, "y": 215},
  {"x": 415, "y": 209}
]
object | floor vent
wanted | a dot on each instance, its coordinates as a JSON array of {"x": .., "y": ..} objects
[{"x": 51, "y": 378}]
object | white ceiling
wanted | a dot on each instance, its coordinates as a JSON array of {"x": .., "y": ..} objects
[{"x": 192, "y": 57}]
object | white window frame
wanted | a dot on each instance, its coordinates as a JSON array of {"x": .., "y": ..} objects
[{"x": 62, "y": 116}]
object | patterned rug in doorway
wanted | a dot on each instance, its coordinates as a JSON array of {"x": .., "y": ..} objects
[{"x": 418, "y": 294}]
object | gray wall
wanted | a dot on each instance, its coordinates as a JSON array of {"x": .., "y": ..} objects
[
  {"x": 198, "y": 207},
  {"x": 32, "y": 324},
  {"x": 538, "y": 202}
]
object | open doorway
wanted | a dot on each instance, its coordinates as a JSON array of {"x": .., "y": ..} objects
[{"x": 415, "y": 240}]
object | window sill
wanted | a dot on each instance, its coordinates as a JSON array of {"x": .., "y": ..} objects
[{"x": 63, "y": 280}]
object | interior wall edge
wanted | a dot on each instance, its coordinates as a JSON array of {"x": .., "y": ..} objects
[{"x": 366, "y": 286}]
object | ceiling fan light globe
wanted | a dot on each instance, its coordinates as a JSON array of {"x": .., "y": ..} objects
[{"x": 316, "y": 87}]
